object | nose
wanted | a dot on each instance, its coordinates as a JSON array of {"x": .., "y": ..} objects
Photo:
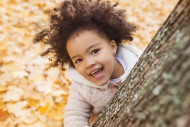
[{"x": 90, "y": 63}]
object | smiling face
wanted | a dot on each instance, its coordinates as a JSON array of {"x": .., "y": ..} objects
[{"x": 92, "y": 56}]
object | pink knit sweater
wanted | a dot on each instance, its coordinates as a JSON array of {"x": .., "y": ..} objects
[{"x": 87, "y": 98}]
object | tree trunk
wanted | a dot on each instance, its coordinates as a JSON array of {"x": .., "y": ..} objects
[{"x": 157, "y": 91}]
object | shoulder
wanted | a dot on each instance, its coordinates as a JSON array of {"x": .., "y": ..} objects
[
  {"x": 82, "y": 90},
  {"x": 130, "y": 55},
  {"x": 133, "y": 49},
  {"x": 78, "y": 86}
]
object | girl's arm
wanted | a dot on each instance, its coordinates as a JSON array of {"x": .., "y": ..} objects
[{"x": 77, "y": 111}]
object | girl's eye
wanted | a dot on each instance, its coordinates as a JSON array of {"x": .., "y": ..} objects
[
  {"x": 95, "y": 51},
  {"x": 78, "y": 60}
]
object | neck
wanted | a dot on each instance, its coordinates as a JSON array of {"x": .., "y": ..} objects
[{"x": 118, "y": 70}]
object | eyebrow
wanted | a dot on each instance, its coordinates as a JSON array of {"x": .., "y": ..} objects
[{"x": 92, "y": 46}]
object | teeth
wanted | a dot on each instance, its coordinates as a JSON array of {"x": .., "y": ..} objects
[{"x": 94, "y": 71}]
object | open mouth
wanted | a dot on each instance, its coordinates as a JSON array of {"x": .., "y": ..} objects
[{"x": 97, "y": 73}]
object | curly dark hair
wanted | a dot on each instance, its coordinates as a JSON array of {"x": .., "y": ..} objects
[{"x": 73, "y": 16}]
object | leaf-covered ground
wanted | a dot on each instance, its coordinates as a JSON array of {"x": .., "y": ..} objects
[{"x": 33, "y": 94}]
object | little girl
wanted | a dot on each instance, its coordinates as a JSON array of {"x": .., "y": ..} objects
[{"x": 87, "y": 36}]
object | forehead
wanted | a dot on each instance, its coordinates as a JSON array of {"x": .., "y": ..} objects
[
  {"x": 82, "y": 42},
  {"x": 85, "y": 38},
  {"x": 86, "y": 35}
]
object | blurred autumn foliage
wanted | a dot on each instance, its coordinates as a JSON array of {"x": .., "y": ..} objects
[{"x": 33, "y": 94}]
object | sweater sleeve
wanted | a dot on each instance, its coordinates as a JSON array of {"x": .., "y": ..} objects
[{"x": 77, "y": 111}]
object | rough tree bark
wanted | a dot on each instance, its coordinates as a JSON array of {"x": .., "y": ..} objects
[{"x": 157, "y": 91}]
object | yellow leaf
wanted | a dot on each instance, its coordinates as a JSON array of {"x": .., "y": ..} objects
[
  {"x": 32, "y": 102},
  {"x": 12, "y": 1},
  {"x": 3, "y": 88},
  {"x": 2, "y": 104},
  {"x": 57, "y": 112},
  {"x": 3, "y": 115},
  {"x": 44, "y": 109}
]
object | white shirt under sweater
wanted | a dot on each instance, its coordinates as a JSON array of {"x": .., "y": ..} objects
[
  {"x": 122, "y": 77},
  {"x": 86, "y": 97}
]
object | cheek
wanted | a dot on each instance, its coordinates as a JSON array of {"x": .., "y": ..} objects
[
  {"x": 108, "y": 61},
  {"x": 80, "y": 69},
  {"x": 108, "y": 57}
]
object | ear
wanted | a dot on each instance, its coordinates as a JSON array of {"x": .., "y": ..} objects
[{"x": 113, "y": 46}]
